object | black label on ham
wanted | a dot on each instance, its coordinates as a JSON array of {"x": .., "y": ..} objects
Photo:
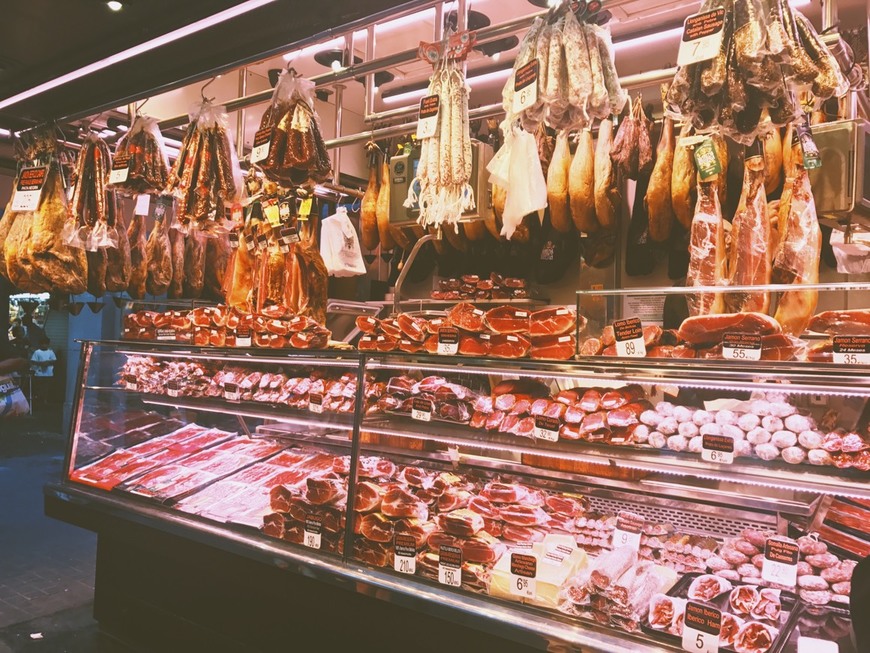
[
  {"x": 547, "y": 423},
  {"x": 448, "y": 336},
  {"x": 405, "y": 545},
  {"x": 852, "y": 344},
  {"x": 32, "y": 179},
  {"x": 703, "y": 617},
  {"x": 450, "y": 556}
]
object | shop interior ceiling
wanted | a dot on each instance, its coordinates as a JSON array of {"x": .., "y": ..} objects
[{"x": 646, "y": 33}]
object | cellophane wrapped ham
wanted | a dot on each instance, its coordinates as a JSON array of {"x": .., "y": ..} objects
[
  {"x": 206, "y": 176},
  {"x": 444, "y": 171},
  {"x": 798, "y": 252},
  {"x": 148, "y": 168},
  {"x": 768, "y": 52},
  {"x": 707, "y": 255},
  {"x": 297, "y": 154}
]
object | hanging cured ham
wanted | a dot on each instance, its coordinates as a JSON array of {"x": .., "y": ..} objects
[
  {"x": 557, "y": 185},
  {"x": 658, "y": 195},
  {"x": 147, "y": 164},
  {"x": 707, "y": 257},
  {"x": 749, "y": 260},
  {"x": 369, "y": 233},
  {"x": 684, "y": 181},
  {"x": 608, "y": 196},
  {"x": 581, "y": 184}
]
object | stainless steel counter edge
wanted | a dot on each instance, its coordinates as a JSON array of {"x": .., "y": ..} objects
[{"x": 461, "y": 608}]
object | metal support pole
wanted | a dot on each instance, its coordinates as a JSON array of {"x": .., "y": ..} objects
[
  {"x": 829, "y": 14},
  {"x": 370, "y": 78},
  {"x": 336, "y": 157},
  {"x": 397, "y": 291},
  {"x": 240, "y": 118}
]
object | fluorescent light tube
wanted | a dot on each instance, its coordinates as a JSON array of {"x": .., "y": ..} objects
[
  {"x": 472, "y": 81},
  {"x": 649, "y": 39},
  {"x": 129, "y": 53}
]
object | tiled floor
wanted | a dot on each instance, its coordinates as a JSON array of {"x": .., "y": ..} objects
[{"x": 46, "y": 566}]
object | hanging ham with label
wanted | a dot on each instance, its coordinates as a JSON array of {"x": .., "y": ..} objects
[
  {"x": 658, "y": 195},
  {"x": 608, "y": 196},
  {"x": 707, "y": 256},
  {"x": 158, "y": 253},
  {"x": 176, "y": 254},
  {"x": 798, "y": 253},
  {"x": 118, "y": 265},
  {"x": 749, "y": 260},
  {"x": 138, "y": 257},
  {"x": 684, "y": 180},
  {"x": 369, "y": 234},
  {"x": 557, "y": 185},
  {"x": 581, "y": 184}
]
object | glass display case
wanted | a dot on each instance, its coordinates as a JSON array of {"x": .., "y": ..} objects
[{"x": 581, "y": 502}]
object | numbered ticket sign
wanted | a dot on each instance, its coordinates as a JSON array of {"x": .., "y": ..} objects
[
  {"x": 701, "y": 627},
  {"x": 231, "y": 392},
  {"x": 427, "y": 120},
  {"x": 173, "y": 389},
  {"x": 405, "y": 550},
  {"x": 780, "y": 562},
  {"x": 315, "y": 403},
  {"x": 815, "y": 645},
  {"x": 702, "y": 37},
  {"x": 165, "y": 335},
  {"x": 547, "y": 428},
  {"x": 717, "y": 449},
  {"x": 448, "y": 341},
  {"x": 312, "y": 535},
  {"x": 852, "y": 350},
  {"x": 450, "y": 566},
  {"x": 143, "y": 205},
  {"x": 741, "y": 346},
  {"x": 262, "y": 142},
  {"x": 28, "y": 190},
  {"x": 421, "y": 409},
  {"x": 526, "y": 86},
  {"x": 628, "y": 529},
  {"x": 629, "y": 338},
  {"x": 524, "y": 570},
  {"x": 120, "y": 169},
  {"x": 243, "y": 337}
]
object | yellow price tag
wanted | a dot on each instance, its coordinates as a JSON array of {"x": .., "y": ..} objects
[
  {"x": 273, "y": 214},
  {"x": 305, "y": 207}
]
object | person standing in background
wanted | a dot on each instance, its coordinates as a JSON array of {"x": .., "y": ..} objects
[{"x": 42, "y": 361}]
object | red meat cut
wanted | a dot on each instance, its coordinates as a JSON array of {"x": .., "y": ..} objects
[
  {"x": 462, "y": 522},
  {"x": 377, "y": 528},
  {"x": 518, "y": 515},
  {"x": 399, "y": 502},
  {"x": 466, "y": 316},
  {"x": 323, "y": 491},
  {"x": 507, "y": 319},
  {"x": 552, "y": 322},
  {"x": 553, "y": 347},
  {"x": 367, "y": 497},
  {"x": 484, "y": 507},
  {"x": 412, "y": 327},
  {"x": 504, "y": 492},
  {"x": 509, "y": 346}
]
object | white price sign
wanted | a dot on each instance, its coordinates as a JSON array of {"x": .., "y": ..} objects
[
  {"x": 315, "y": 403},
  {"x": 814, "y": 645},
  {"x": 546, "y": 428},
  {"x": 741, "y": 347},
  {"x": 120, "y": 169},
  {"x": 627, "y": 531},
  {"x": 143, "y": 205},
  {"x": 231, "y": 392},
  {"x": 852, "y": 350},
  {"x": 524, "y": 569},
  {"x": 526, "y": 86},
  {"x": 450, "y": 566},
  {"x": 717, "y": 449},
  {"x": 421, "y": 409},
  {"x": 427, "y": 122},
  {"x": 313, "y": 526},
  {"x": 262, "y": 141},
  {"x": 701, "y": 628},
  {"x": 448, "y": 341},
  {"x": 702, "y": 37},
  {"x": 28, "y": 189},
  {"x": 629, "y": 338},
  {"x": 780, "y": 563},
  {"x": 405, "y": 550}
]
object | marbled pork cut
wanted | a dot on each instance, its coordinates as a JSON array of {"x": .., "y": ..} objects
[
  {"x": 553, "y": 347},
  {"x": 552, "y": 321},
  {"x": 507, "y": 319}
]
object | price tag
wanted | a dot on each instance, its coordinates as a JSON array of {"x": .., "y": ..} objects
[
  {"x": 628, "y": 529},
  {"x": 290, "y": 235},
  {"x": 313, "y": 526},
  {"x": 405, "y": 550},
  {"x": 132, "y": 386},
  {"x": 811, "y": 155},
  {"x": 166, "y": 335},
  {"x": 305, "y": 208},
  {"x": 120, "y": 169},
  {"x": 701, "y": 627},
  {"x": 450, "y": 566},
  {"x": 28, "y": 190},
  {"x": 780, "y": 563},
  {"x": 524, "y": 569},
  {"x": 526, "y": 86},
  {"x": 243, "y": 338},
  {"x": 852, "y": 350},
  {"x": 702, "y": 37},
  {"x": 173, "y": 388},
  {"x": 706, "y": 160},
  {"x": 813, "y": 645},
  {"x": 143, "y": 204},
  {"x": 262, "y": 242},
  {"x": 250, "y": 243},
  {"x": 741, "y": 346},
  {"x": 262, "y": 141},
  {"x": 629, "y": 338},
  {"x": 448, "y": 341},
  {"x": 421, "y": 409},
  {"x": 546, "y": 428},
  {"x": 717, "y": 449},
  {"x": 427, "y": 119},
  {"x": 231, "y": 392},
  {"x": 233, "y": 237},
  {"x": 315, "y": 403}
]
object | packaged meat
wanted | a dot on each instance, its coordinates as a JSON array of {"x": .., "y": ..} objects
[
  {"x": 707, "y": 254},
  {"x": 710, "y": 329},
  {"x": 708, "y": 587}
]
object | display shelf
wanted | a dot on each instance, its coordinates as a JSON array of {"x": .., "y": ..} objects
[{"x": 508, "y": 619}]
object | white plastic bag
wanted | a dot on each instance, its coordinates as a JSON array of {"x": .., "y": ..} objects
[
  {"x": 12, "y": 399},
  {"x": 527, "y": 190},
  {"x": 339, "y": 246}
]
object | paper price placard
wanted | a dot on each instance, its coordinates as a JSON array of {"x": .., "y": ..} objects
[
  {"x": 421, "y": 409},
  {"x": 427, "y": 121},
  {"x": 120, "y": 169},
  {"x": 315, "y": 403},
  {"x": 28, "y": 190},
  {"x": 405, "y": 550},
  {"x": 741, "y": 346},
  {"x": 780, "y": 562},
  {"x": 702, "y": 37},
  {"x": 526, "y": 86},
  {"x": 627, "y": 531},
  {"x": 547, "y": 428},
  {"x": 231, "y": 392},
  {"x": 629, "y": 338},
  {"x": 262, "y": 142},
  {"x": 448, "y": 341},
  {"x": 313, "y": 527},
  {"x": 524, "y": 570},
  {"x": 450, "y": 566},
  {"x": 717, "y": 449},
  {"x": 852, "y": 350},
  {"x": 701, "y": 627}
]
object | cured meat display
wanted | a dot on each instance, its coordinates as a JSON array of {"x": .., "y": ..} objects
[
  {"x": 658, "y": 195},
  {"x": 631, "y": 150},
  {"x": 766, "y": 54},
  {"x": 471, "y": 286},
  {"x": 502, "y": 332},
  {"x": 369, "y": 233},
  {"x": 143, "y": 151},
  {"x": 707, "y": 256},
  {"x": 296, "y": 153},
  {"x": 220, "y": 326}
]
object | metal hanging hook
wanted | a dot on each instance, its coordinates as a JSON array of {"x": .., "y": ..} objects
[
  {"x": 205, "y": 86},
  {"x": 139, "y": 107}
]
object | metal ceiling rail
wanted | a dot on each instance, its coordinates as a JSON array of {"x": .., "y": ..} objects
[{"x": 485, "y": 35}]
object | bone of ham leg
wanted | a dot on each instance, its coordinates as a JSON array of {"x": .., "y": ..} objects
[{"x": 749, "y": 262}]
